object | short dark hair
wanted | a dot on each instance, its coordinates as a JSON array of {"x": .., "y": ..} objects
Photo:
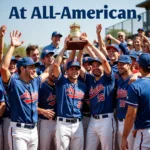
[
  {"x": 31, "y": 48},
  {"x": 146, "y": 70},
  {"x": 19, "y": 70}
]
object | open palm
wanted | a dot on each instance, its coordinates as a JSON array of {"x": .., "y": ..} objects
[{"x": 15, "y": 39}]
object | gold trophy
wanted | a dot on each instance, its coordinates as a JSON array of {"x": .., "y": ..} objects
[{"x": 75, "y": 43}]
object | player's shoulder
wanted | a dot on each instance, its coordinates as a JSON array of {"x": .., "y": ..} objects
[
  {"x": 138, "y": 84},
  {"x": 48, "y": 47},
  {"x": 82, "y": 83},
  {"x": 36, "y": 79}
]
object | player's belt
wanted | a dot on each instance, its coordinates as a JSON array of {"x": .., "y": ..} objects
[
  {"x": 28, "y": 126},
  {"x": 121, "y": 120},
  {"x": 102, "y": 116},
  {"x": 73, "y": 120},
  {"x": 86, "y": 114}
]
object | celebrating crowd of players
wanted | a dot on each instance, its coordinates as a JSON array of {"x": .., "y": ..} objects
[{"x": 96, "y": 98}]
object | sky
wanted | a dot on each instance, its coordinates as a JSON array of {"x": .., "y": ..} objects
[{"x": 38, "y": 31}]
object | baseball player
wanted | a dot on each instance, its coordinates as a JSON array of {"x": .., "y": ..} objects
[
  {"x": 102, "y": 124},
  {"x": 5, "y": 117},
  {"x": 87, "y": 64},
  {"x": 124, "y": 68},
  {"x": 55, "y": 45},
  {"x": 112, "y": 51},
  {"x": 69, "y": 95},
  {"x": 2, "y": 33},
  {"x": 2, "y": 110},
  {"x": 47, "y": 108},
  {"x": 13, "y": 65},
  {"x": 47, "y": 58},
  {"x": 134, "y": 56},
  {"x": 86, "y": 108},
  {"x": 23, "y": 97},
  {"x": 138, "y": 102},
  {"x": 5, "y": 121}
]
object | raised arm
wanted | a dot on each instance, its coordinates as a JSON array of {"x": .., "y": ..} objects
[
  {"x": 123, "y": 48},
  {"x": 100, "y": 55},
  {"x": 91, "y": 53},
  {"x": 58, "y": 60},
  {"x": 100, "y": 40},
  {"x": 15, "y": 42},
  {"x": 79, "y": 59},
  {"x": 48, "y": 71},
  {"x": 2, "y": 33}
]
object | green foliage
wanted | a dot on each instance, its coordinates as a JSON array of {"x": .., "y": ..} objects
[{"x": 20, "y": 50}]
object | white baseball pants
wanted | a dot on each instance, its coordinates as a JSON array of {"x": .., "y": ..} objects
[
  {"x": 22, "y": 138},
  {"x": 47, "y": 130},
  {"x": 101, "y": 130},
  {"x": 120, "y": 133},
  {"x": 142, "y": 140},
  {"x": 6, "y": 124},
  {"x": 69, "y": 136}
]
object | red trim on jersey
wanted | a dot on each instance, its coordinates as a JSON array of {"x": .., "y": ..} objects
[
  {"x": 28, "y": 101},
  {"x": 141, "y": 141}
]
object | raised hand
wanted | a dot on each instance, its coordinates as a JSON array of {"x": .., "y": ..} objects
[
  {"x": 84, "y": 37},
  {"x": 98, "y": 28},
  {"x": 15, "y": 39},
  {"x": 66, "y": 41},
  {"x": 3, "y": 30},
  {"x": 109, "y": 36}
]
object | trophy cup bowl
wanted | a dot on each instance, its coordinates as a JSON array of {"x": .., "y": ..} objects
[{"x": 75, "y": 43}]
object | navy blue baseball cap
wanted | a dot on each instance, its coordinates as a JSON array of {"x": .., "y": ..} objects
[
  {"x": 144, "y": 60},
  {"x": 27, "y": 61},
  {"x": 115, "y": 46},
  {"x": 73, "y": 64},
  {"x": 125, "y": 59},
  {"x": 86, "y": 55},
  {"x": 14, "y": 59},
  {"x": 55, "y": 33},
  {"x": 133, "y": 54},
  {"x": 140, "y": 29},
  {"x": 87, "y": 59},
  {"x": 95, "y": 60},
  {"x": 46, "y": 52},
  {"x": 64, "y": 56}
]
